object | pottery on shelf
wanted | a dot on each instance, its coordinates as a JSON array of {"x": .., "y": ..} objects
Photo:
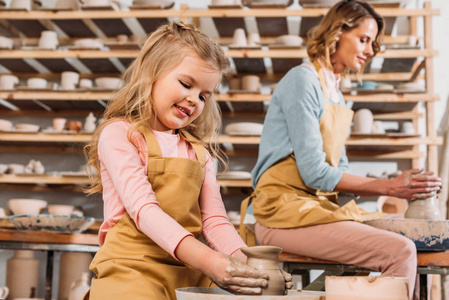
[
  {"x": 426, "y": 209},
  {"x": 266, "y": 258},
  {"x": 22, "y": 271}
]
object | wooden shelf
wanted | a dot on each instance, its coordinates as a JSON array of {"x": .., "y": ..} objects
[
  {"x": 222, "y": 139},
  {"x": 184, "y": 12},
  {"x": 43, "y": 179},
  {"x": 234, "y": 97},
  {"x": 240, "y": 53}
]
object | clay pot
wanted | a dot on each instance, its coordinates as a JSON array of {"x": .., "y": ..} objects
[
  {"x": 266, "y": 258},
  {"x": 423, "y": 209},
  {"x": 22, "y": 271}
]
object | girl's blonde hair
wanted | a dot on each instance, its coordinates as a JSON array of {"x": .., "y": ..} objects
[
  {"x": 164, "y": 49},
  {"x": 343, "y": 16}
]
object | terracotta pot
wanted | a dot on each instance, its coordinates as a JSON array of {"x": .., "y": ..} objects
[{"x": 266, "y": 258}]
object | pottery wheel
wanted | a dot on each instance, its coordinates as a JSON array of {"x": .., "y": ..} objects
[{"x": 215, "y": 293}]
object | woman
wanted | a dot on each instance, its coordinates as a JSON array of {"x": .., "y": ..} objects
[{"x": 302, "y": 161}]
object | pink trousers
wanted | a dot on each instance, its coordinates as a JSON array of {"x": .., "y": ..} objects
[{"x": 349, "y": 243}]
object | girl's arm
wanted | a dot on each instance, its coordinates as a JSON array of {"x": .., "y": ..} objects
[{"x": 410, "y": 184}]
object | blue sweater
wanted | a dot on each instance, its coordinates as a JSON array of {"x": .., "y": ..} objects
[{"x": 292, "y": 126}]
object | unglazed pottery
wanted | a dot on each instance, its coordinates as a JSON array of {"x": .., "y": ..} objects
[
  {"x": 426, "y": 209},
  {"x": 366, "y": 287},
  {"x": 71, "y": 267},
  {"x": 266, "y": 258},
  {"x": 22, "y": 272}
]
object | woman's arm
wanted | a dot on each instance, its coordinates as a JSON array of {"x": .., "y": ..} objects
[{"x": 410, "y": 184}]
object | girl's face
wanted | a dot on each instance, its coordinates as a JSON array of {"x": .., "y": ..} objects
[
  {"x": 355, "y": 46},
  {"x": 180, "y": 95}
]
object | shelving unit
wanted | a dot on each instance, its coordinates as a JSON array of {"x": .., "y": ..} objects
[
  {"x": 386, "y": 106},
  {"x": 100, "y": 63}
]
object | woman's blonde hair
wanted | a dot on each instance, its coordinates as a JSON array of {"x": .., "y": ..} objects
[
  {"x": 164, "y": 49},
  {"x": 343, "y": 16}
]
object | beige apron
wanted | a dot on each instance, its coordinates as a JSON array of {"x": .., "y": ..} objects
[
  {"x": 282, "y": 200},
  {"x": 130, "y": 265}
]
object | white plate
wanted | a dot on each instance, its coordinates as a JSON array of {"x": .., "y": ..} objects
[
  {"x": 52, "y": 223},
  {"x": 244, "y": 128},
  {"x": 234, "y": 175}
]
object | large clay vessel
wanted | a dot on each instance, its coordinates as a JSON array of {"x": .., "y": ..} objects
[
  {"x": 423, "y": 209},
  {"x": 71, "y": 266},
  {"x": 266, "y": 258},
  {"x": 22, "y": 274}
]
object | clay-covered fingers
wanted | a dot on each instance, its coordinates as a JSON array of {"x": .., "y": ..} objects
[
  {"x": 245, "y": 271},
  {"x": 288, "y": 280},
  {"x": 242, "y": 290}
]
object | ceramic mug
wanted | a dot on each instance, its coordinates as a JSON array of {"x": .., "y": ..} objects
[
  {"x": 378, "y": 127},
  {"x": 48, "y": 40},
  {"x": 86, "y": 83},
  {"x": 69, "y": 80},
  {"x": 407, "y": 127},
  {"x": 251, "y": 83},
  {"x": 59, "y": 124},
  {"x": 363, "y": 121},
  {"x": 37, "y": 83},
  {"x": 239, "y": 38},
  {"x": 6, "y": 42},
  {"x": 21, "y": 4},
  {"x": 4, "y": 291},
  {"x": 7, "y": 82},
  {"x": 253, "y": 39}
]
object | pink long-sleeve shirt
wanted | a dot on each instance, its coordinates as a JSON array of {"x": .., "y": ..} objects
[{"x": 126, "y": 189}]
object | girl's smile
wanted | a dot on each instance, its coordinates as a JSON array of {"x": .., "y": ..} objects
[{"x": 179, "y": 96}]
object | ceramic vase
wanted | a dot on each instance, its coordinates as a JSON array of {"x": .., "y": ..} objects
[
  {"x": 423, "y": 209},
  {"x": 71, "y": 267},
  {"x": 363, "y": 121},
  {"x": 22, "y": 274},
  {"x": 266, "y": 259}
]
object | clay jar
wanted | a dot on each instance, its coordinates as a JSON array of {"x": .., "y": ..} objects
[
  {"x": 266, "y": 258},
  {"x": 423, "y": 209}
]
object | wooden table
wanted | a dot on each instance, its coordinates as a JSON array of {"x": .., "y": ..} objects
[
  {"x": 14, "y": 239},
  {"x": 428, "y": 263}
]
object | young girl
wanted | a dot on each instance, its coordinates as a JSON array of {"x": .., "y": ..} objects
[
  {"x": 157, "y": 179},
  {"x": 302, "y": 162}
]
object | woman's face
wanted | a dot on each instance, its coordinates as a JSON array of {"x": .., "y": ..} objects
[{"x": 355, "y": 46}]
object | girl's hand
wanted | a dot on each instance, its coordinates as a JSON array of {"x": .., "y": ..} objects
[
  {"x": 288, "y": 281},
  {"x": 414, "y": 184},
  {"x": 234, "y": 276}
]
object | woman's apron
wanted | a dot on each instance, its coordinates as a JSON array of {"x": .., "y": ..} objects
[
  {"x": 282, "y": 200},
  {"x": 130, "y": 265}
]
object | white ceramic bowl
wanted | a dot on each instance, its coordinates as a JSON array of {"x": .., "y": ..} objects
[
  {"x": 60, "y": 209},
  {"x": 89, "y": 43},
  {"x": 109, "y": 83},
  {"x": 26, "y": 206},
  {"x": 5, "y": 125},
  {"x": 27, "y": 127}
]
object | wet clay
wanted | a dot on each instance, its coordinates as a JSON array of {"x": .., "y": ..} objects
[
  {"x": 426, "y": 209},
  {"x": 366, "y": 288},
  {"x": 266, "y": 258}
]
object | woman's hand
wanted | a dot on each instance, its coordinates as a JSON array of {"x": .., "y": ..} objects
[
  {"x": 232, "y": 275},
  {"x": 414, "y": 184}
]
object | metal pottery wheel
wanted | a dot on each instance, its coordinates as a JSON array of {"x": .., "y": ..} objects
[
  {"x": 427, "y": 235},
  {"x": 215, "y": 293}
]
